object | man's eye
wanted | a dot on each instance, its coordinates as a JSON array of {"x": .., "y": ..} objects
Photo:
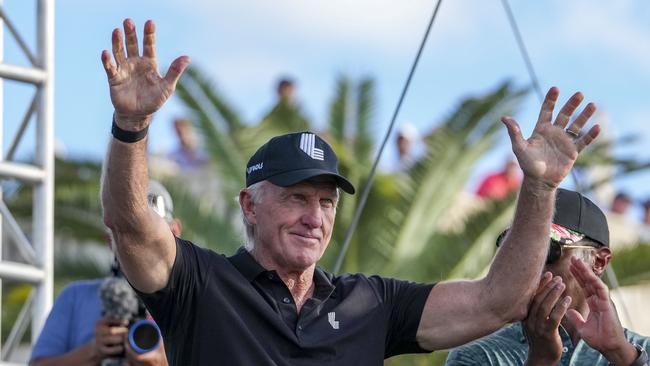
[
  {"x": 327, "y": 202},
  {"x": 298, "y": 197}
]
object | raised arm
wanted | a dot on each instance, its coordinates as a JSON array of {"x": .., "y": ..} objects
[
  {"x": 459, "y": 311},
  {"x": 144, "y": 243}
]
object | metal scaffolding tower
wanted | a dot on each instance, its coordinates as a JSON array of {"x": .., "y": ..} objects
[{"x": 35, "y": 247}]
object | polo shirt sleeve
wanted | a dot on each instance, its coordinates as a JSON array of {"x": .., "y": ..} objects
[
  {"x": 403, "y": 302},
  {"x": 55, "y": 338},
  {"x": 172, "y": 305}
]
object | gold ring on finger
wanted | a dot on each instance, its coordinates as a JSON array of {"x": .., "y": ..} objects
[{"x": 573, "y": 135}]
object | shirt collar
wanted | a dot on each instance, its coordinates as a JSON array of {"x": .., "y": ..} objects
[
  {"x": 250, "y": 269},
  {"x": 246, "y": 264}
]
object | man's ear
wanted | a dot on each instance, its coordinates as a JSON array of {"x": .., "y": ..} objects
[
  {"x": 601, "y": 260},
  {"x": 176, "y": 227},
  {"x": 247, "y": 206}
]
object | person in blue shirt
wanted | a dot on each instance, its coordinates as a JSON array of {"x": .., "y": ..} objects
[
  {"x": 75, "y": 332},
  {"x": 572, "y": 321}
]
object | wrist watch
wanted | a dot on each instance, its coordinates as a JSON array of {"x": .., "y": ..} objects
[{"x": 642, "y": 360}]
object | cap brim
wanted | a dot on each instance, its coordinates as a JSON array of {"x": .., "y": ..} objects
[{"x": 297, "y": 176}]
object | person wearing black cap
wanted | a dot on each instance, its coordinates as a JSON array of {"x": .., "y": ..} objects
[
  {"x": 270, "y": 304},
  {"x": 569, "y": 323}
]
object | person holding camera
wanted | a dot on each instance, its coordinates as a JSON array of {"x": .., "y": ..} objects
[{"x": 77, "y": 332}]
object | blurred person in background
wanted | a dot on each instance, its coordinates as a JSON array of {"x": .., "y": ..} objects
[
  {"x": 188, "y": 155},
  {"x": 620, "y": 204},
  {"x": 407, "y": 139},
  {"x": 625, "y": 230},
  {"x": 644, "y": 234},
  {"x": 76, "y": 333},
  {"x": 285, "y": 116},
  {"x": 500, "y": 185},
  {"x": 569, "y": 323}
]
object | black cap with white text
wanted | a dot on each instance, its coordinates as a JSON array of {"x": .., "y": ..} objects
[{"x": 293, "y": 158}]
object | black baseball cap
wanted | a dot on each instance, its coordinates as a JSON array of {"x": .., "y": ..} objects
[
  {"x": 580, "y": 216},
  {"x": 292, "y": 158},
  {"x": 576, "y": 212}
]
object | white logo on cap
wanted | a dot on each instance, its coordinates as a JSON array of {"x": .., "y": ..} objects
[
  {"x": 308, "y": 145},
  {"x": 255, "y": 167}
]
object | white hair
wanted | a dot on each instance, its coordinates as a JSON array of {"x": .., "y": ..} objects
[{"x": 256, "y": 192}]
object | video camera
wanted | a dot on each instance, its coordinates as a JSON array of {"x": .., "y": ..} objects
[{"x": 119, "y": 301}]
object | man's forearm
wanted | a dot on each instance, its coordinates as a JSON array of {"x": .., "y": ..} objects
[
  {"x": 84, "y": 355},
  {"x": 515, "y": 271},
  {"x": 124, "y": 185}
]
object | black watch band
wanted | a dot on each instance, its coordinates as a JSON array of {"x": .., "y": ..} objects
[
  {"x": 128, "y": 136},
  {"x": 642, "y": 360}
]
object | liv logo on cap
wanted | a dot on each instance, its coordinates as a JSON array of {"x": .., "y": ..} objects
[{"x": 307, "y": 144}]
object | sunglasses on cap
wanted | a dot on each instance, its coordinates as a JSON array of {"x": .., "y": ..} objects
[
  {"x": 555, "y": 247},
  {"x": 555, "y": 250}
]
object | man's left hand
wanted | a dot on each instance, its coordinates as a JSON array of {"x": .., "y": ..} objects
[
  {"x": 548, "y": 155},
  {"x": 602, "y": 329}
]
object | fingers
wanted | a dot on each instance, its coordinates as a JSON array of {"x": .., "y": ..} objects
[
  {"x": 558, "y": 311},
  {"x": 587, "y": 279},
  {"x": 176, "y": 70},
  {"x": 587, "y": 138},
  {"x": 547, "y": 305},
  {"x": 567, "y": 110},
  {"x": 575, "y": 318},
  {"x": 514, "y": 131},
  {"x": 582, "y": 118},
  {"x": 546, "y": 113},
  {"x": 149, "y": 39},
  {"x": 546, "y": 278},
  {"x": 131, "y": 38},
  {"x": 109, "y": 67},
  {"x": 111, "y": 350},
  {"x": 541, "y": 295},
  {"x": 118, "y": 49}
]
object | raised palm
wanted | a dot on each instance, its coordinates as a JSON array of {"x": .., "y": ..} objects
[
  {"x": 602, "y": 329},
  {"x": 548, "y": 155},
  {"x": 136, "y": 87}
]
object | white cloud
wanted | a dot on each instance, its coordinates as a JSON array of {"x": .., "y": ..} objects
[
  {"x": 614, "y": 27},
  {"x": 376, "y": 23}
]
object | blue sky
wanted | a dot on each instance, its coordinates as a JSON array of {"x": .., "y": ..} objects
[{"x": 599, "y": 47}]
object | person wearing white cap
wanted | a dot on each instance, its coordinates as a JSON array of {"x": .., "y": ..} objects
[{"x": 269, "y": 304}]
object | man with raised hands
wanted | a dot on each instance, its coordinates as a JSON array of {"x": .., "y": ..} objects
[{"x": 269, "y": 304}]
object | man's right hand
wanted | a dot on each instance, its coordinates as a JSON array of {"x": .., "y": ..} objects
[
  {"x": 541, "y": 326},
  {"x": 110, "y": 335},
  {"x": 136, "y": 87}
]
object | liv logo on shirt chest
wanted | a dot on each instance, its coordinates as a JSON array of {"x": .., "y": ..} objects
[{"x": 331, "y": 317}]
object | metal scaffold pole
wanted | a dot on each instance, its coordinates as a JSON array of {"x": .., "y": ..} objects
[{"x": 31, "y": 259}]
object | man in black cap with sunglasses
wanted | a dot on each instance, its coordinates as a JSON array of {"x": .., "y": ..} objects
[
  {"x": 270, "y": 304},
  {"x": 569, "y": 323}
]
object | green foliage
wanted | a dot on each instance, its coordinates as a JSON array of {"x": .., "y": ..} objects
[{"x": 631, "y": 264}]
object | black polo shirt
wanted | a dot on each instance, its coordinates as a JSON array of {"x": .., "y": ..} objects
[{"x": 231, "y": 311}]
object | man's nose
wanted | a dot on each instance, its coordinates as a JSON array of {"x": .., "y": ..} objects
[{"x": 313, "y": 216}]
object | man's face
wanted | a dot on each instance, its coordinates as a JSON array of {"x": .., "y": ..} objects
[
  {"x": 561, "y": 268},
  {"x": 597, "y": 261},
  {"x": 293, "y": 225}
]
